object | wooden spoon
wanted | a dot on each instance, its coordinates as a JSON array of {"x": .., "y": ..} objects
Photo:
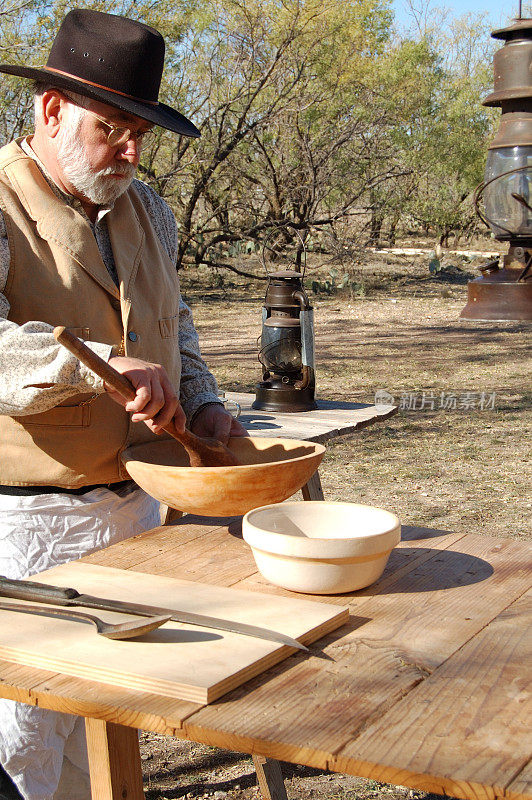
[
  {"x": 202, "y": 452},
  {"x": 119, "y": 630}
]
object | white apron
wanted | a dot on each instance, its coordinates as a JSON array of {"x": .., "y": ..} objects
[{"x": 43, "y": 751}]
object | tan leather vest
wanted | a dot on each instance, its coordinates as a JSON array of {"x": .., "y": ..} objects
[{"x": 57, "y": 276}]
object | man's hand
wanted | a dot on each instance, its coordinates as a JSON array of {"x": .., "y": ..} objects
[
  {"x": 156, "y": 402},
  {"x": 214, "y": 421}
]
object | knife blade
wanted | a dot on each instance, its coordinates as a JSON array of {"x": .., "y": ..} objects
[{"x": 59, "y": 595}]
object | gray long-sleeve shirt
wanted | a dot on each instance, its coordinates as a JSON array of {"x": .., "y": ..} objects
[{"x": 36, "y": 373}]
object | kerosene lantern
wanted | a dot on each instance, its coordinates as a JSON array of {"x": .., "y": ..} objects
[
  {"x": 505, "y": 293},
  {"x": 286, "y": 343}
]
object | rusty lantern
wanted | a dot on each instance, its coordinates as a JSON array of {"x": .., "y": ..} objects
[
  {"x": 286, "y": 343},
  {"x": 505, "y": 293}
]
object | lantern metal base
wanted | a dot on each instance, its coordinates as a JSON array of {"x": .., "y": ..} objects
[
  {"x": 284, "y": 399},
  {"x": 501, "y": 294},
  {"x": 498, "y": 301}
]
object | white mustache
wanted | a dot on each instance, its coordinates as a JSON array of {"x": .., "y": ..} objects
[{"x": 125, "y": 169}]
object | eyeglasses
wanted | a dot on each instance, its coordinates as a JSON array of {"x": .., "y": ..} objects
[{"x": 116, "y": 135}]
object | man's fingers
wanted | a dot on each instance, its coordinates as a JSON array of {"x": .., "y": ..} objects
[
  {"x": 163, "y": 418},
  {"x": 144, "y": 394},
  {"x": 155, "y": 401},
  {"x": 228, "y": 427},
  {"x": 216, "y": 422},
  {"x": 158, "y": 423},
  {"x": 237, "y": 429},
  {"x": 165, "y": 402},
  {"x": 222, "y": 427},
  {"x": 150, "y": 399}
]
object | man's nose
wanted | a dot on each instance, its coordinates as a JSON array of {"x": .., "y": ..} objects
[{"x": 130, "y": 151}]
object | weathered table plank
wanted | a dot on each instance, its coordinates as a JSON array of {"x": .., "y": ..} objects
[
  {"x": 94, "y": 699},
  {"x": 134, "y": 552},
  {"x": 17, "y": 682},
  {"x": 308, "y": 725},
  {"x": 446, "y": 595},
  {"x": 331, "y": 419},
  {"x": 521, "y": 786},
  {"x": 209, "y": 555},
  {"x": 470, "y": 717}
]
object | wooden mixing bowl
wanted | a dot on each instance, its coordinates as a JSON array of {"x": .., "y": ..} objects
[{"x": 271, "y": 470}]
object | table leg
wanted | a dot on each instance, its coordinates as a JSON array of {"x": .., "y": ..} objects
[
  {"x": 312, "y": 489},
  {"x": 114, "y": 761},
  {"x": 270, "y": 779},
  {"x": 168, "y": 514}
]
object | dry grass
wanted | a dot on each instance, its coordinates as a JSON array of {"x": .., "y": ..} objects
[{"x": 467, "y": 470}]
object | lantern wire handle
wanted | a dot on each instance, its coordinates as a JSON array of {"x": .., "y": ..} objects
[
  {"x": 479, "y": 191},
  {"x": 524, "y": 272},
  {"x": 303, "y": 249}
]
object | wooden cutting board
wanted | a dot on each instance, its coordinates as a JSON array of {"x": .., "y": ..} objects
[{"x": 179, "y": 661}]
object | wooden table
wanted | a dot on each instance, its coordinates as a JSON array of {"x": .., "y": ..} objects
[{"x": 426, "y": 686}]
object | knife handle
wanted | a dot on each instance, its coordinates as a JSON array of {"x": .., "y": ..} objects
[{"x": 38, "y": 592}]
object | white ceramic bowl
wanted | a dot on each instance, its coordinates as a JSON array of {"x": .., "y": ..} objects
[{"x": 321, "y": 547}]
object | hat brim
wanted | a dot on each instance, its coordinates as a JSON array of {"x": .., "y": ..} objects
[{"x": 159, "y": 114}]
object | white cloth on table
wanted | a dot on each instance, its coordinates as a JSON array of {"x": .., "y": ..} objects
[{"x": 36, "y": 533}]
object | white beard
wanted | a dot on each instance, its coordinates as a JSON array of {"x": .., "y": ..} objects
[{"x": 93, "y": 185}]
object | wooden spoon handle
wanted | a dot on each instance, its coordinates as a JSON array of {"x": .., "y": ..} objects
[
  {"x": 201, "y": 452},
  {"x": 111, "y": 376},
  {"x": 93, "y": 361}
]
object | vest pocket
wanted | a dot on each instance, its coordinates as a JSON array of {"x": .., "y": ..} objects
[
  {"x": 69, "y": 414},
  {"x": 169, "y": 327}
]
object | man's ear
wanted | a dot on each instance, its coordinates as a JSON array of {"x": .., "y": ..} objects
[{"x": 53, "y": 110}]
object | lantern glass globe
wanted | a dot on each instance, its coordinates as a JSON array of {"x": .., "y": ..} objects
[{"x": 508, "y": 191}]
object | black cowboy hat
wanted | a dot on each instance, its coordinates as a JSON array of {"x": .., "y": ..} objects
[{"x": 113, "y": 59}]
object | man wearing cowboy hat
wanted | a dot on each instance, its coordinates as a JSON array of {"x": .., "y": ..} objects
[{"x": 84, "y": 245}]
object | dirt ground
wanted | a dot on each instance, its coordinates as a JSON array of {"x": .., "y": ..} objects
[{"x": 457, "y": 456}]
